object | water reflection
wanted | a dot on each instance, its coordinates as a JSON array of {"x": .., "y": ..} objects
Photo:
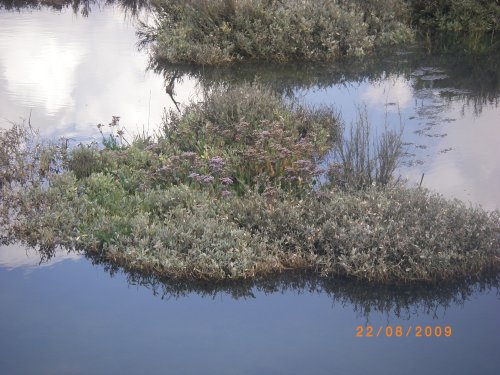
[
  {"x": 460, "y": 75},
  {"x": 73, "y": 318},
  {"x": 18, "y": 256},
  {"x": 83, "y": 7},
  {"x": 403, "y": 301},
  {"x": 400, "y": 301},
  {"x": 70, "y": 73}
]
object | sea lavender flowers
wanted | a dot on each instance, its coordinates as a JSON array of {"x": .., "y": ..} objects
[{"x": 216, "y": 163}]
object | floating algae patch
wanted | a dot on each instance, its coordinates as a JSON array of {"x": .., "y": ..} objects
[
  {"x": 433, "y": 77},
  {"x": 230, "y": 189}
]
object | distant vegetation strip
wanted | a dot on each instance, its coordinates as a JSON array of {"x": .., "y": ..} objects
[{"x": 226, "y": 31}]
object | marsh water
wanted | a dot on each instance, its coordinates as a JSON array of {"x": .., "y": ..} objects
[{"x": 65, "y": 73}]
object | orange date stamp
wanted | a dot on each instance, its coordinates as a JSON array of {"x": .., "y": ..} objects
[{"x": 400, "y": 331}]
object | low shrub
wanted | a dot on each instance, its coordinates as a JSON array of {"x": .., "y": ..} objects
[
  {"x": 381, "y": 234},
  {"x": 246, "y": 136},
  {"x": 84, "y": 160},
  {"x": 389, "y": 235}
]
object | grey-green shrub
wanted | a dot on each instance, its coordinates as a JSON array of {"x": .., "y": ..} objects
[
  {"x": 257, "y": 138},
  {"x": 224, "y": 31},
  {"x": 389, "y": 235}
]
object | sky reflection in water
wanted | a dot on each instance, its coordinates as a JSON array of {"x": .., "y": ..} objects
[
  {"x": 456, "y": 148},
  {"x": 72, "y": 72}
]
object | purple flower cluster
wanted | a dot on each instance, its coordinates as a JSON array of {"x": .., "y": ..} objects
[
  {"x": 284, "y": 152},
  {"x": 302, "y": 169},
  {"x": 151, "y": 147},
  {"x": 242, "y": 127},
  {"x": 216, "y": 163},
  {"x": 226, "y": 133},
  {"x": 303, "y": 163},
  {"x": 264, "y": 134},
  {"x": 226, "y": 181},
  {"x": 114, "y": 120}
]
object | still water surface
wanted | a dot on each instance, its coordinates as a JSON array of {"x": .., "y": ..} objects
[
  {"x": 73, "y": 318},
  {"x": 66, "y": 73},
  {"x": 71, "y": 72}
]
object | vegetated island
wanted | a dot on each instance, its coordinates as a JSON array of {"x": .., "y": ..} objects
[
  {"x": 241, "y": 185},
  {"x": 219, "y": 32}
]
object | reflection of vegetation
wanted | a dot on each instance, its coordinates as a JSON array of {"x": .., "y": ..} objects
[
  {"x": 83, "y": 7},
  {"x": 466, "y": 76},
  {"x": 285, "y": 78},
  {"x": 223, "y": 31},
  {"x": 228, "y": 191},
  {"x": 470, "y": 16},
  {"x": 472, "y": 77},
  {"x": 402, "y": 300}
]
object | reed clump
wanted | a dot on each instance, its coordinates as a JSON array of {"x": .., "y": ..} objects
[
  {"x": 365, "y": 159},
  {"x": 230, "y": 189}
]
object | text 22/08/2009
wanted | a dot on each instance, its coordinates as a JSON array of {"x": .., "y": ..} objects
[{"x": 400, "y": 331}]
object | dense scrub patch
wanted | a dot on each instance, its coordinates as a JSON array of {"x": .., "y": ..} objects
[
  {"x": 229, "y": 189},
  {"x": 224, "y": 31},
  {"x": 383, "y": 235}
]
